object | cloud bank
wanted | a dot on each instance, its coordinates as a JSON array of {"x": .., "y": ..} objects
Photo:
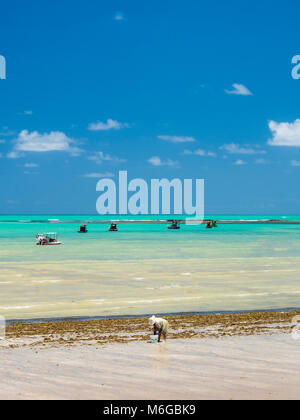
[
  {"x": 157, "y": 161},
  {"x": 55, "y": 141},
  {"x": 285, "y": 133},
  {"x": 235, "y": 148},
  {"x": 109, "y": 125},
  {"x": 177, "y": 139}
]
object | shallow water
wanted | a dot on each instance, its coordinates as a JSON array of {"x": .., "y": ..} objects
[{"x": 147, "y": 268}]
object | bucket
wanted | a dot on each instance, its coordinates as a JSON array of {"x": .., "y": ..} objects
[{"x": 153, "y": 338}]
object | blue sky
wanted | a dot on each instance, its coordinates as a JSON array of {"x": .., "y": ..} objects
[{"x": 170, "y": 89}]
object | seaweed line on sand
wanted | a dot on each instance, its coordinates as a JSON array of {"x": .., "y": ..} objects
[{"x": 108, "y": 331}]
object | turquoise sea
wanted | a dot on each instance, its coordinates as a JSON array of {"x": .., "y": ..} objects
[{"x": 146, "y": 268}]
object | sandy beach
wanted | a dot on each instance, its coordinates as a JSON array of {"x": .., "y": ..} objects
[
  {"x": 255, "y": 367},
  {"x": 226, "y": 356}
]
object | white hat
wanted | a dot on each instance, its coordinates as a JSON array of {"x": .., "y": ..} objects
[{"x": 152, "y": 320}]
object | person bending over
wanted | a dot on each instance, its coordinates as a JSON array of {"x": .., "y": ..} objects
[{"x": 160, "y": 326}]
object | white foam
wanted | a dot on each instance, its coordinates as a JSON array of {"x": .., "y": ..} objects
[
  {"x": 46, "y": 281},
  {"x": 17, "y": 307},
  {"x": 142, "y": 301},
  {"x": 96, "y": 301}
]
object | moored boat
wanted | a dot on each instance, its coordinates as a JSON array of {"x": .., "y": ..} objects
[
  {"x": 174, "y": 225},
  {"x": 47, "y": 239},
  {"x": 82, "y": 229}
]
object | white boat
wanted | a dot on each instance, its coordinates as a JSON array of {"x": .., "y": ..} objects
[{"x": 47, "y": 239}]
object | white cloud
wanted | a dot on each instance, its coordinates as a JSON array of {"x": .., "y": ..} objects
[
  {"x": 284, "y": 133},
  {"x": 46, "y": 142},
  {"x": 235, "y": 148},
  {"x": 31, "y": 165},
  {"x": 239, "y": 90},
  {"x": 26, "y": 113},
  {"x": 295, "y": 162},
  {"x": 177, "y": 139},
  {"x": 261, "y": 161},
  {"x": 199, "y": 152},
  {"x": 240, "y": 162},
  {"x": 156, "y": 161},
  {"x": 119, "y": 16},
  {"x": 109, "y": 125},
  {"x": 188, "y": 152},
  {"x": 99, "y": 157},
  {"x": 99, "y": 175},
  {"x": 13, "y": 155}
]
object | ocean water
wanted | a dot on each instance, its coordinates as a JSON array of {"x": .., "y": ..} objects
[{"x": 146, "y": 268}]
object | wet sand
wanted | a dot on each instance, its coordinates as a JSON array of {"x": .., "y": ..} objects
[
  {"x": 223, "y": 356},
  {"x": 248, "y": 367}
]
